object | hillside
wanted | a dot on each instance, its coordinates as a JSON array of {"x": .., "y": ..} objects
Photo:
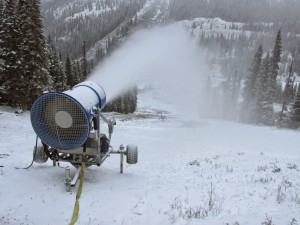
[
  {"x": 96, "y": 22},
  {"x": 103, "y": 25}
]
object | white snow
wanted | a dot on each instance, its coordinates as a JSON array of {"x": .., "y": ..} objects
[
  {"x": 87, "y": 12},
  {"x": 149, "y": 4},
  {"x": 250, "y": 172},
  {"x": 215, "y": 27}
]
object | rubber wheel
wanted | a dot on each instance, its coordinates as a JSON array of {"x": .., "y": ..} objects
[
  {"x": 39, "y": 155},
  {"x": 132, "y": 154}
]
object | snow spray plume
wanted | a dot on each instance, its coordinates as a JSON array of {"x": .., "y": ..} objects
[{"x": 166, "y": 57}]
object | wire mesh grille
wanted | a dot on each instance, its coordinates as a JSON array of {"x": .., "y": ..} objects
[{"x": 51, "y": 129}]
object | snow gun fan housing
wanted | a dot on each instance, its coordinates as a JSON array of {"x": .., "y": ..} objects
[
  {"x": 64, "y": 120},
  {"x": 68, "y": 126}
]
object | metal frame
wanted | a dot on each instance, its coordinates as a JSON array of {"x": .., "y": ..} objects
[{"x": 89, "y": 153}]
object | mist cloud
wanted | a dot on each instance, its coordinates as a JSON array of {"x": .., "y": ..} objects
[{"x": 166, "y": 57}]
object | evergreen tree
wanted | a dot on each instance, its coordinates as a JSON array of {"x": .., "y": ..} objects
[
  {"x": 288, "y": 93},
  {"x": 275, "y": 64},
  {"x": 55, "y": 68},
  {"x": 84, "y": 65},
  {"x": 69, "y": 72},
  {"x": 262, "y": 82},
  {"x": 78, "y": 78},
  {"x": 264, "y": 105},
  {"x": 125, "y": 103},
  {"x": 295, "y": 89},
  {"x": 133, "y": 99},
  {"x": 296, "y": 111},
  {"x": 61, "y": 75},
  {"x": 129, "y": 101},
  {"x": 119, "y": 105},
  {"x": 279, "y": 91},
  {"x": 74, "y": 72},
  {"x": 249, "y": 91},
  {"x": 11, "y": 89},
  {"x": 298, "y": 90},
  {"x": 1, "y": 11},
  {"x": 34, "y": 56},
  {"x": 292, "y": 119}
]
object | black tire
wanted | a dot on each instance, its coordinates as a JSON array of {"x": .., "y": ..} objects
[
  {"x": 39, "y": 155},
  {"x": 132, "y": 154}
]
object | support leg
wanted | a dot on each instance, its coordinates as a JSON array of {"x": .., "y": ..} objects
[
  {"x": 68, "y": 179},
  {"x": 75, "y": 178},
  {"x": 121, "y": 162}
]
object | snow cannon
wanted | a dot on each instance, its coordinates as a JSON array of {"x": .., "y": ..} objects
[
  {"x": 64, "y": 120},
  {"x": 67, "y": 125}
]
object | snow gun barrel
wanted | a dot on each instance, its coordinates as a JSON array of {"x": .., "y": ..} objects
[{"x": 63, "y": 120}]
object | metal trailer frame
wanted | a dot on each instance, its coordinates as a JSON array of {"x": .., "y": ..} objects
[{"x": 90, "y": 153}]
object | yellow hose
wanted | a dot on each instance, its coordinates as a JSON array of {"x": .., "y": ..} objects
[{"x": 76, "y": 207}]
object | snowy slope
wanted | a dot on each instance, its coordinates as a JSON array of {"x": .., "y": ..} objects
[
  {"x": 215, "y": 27},
  {"x": 251, "y": 173},
  {"x": 151, "y": 9}
]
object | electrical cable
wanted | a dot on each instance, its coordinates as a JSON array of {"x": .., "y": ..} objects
[{"x": 25, "y": 168}]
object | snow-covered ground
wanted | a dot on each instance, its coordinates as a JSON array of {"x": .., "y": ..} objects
[
  {"x": 189, "y": 172},
  {"x": 215, "y": 27}
]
